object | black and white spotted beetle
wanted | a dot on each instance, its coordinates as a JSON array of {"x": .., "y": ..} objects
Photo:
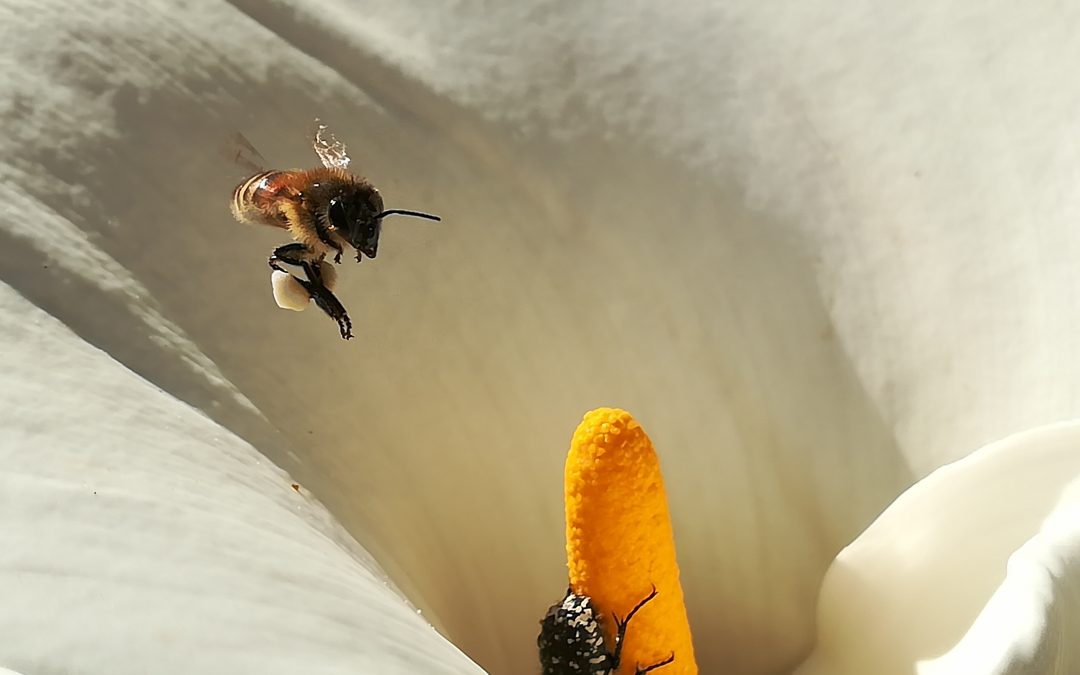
[{"x": 571, "y": 640}]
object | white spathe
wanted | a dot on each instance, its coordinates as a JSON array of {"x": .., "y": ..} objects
[
  {"x": 140, "y": 536},
  {"x": 819, "y": 250},
  {"x": 1028, "y": 624},
  {"x": 975, "y": 570}
]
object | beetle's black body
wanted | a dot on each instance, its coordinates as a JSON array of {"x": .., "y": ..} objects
[{"x": 571, "y": 639}]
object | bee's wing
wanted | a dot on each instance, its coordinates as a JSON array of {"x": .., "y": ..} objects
[
  {"x": 242, "y": 153},
  {"x": 330, "y": 150},
  {"x": 239, "y": 150}
]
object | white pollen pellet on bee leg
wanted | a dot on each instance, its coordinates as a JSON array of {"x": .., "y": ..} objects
[
  {"x": 329, "y": 275},
  {"x": 288, "y": 293}
]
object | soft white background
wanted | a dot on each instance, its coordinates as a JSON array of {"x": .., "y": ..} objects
[{"x": 818, "y": 250}]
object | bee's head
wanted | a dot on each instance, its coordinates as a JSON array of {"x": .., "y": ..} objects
[{"x": 358, "y": 218}]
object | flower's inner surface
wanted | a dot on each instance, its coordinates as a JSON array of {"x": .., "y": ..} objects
[{"x": 571, "y": 268}]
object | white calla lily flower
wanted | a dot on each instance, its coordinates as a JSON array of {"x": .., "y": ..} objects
[{"x": 821, "y": 252}]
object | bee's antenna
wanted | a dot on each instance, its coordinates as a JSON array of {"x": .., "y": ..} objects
[{"x": 402, "y": 212}]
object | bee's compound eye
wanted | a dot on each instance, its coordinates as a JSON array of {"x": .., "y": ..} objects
[{"x": 336, "y": 213}]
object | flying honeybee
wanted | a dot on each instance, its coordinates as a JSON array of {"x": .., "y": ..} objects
[{"x": 325, "y": 209}]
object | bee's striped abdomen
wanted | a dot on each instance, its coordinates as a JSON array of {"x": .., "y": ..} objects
[{"x": 252, "y": 200}]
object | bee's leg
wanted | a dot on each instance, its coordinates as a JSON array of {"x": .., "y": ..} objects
[
  {"x": 299, "y": 255},
  {"x": 324, "y": 237},
  {"x": 290, "y": 254},
  {"x": 325, "y": 299},
  {"x": 620, "y": 633}
]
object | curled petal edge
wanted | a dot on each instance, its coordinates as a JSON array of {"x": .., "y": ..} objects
[{"x": 973, "y": 569}]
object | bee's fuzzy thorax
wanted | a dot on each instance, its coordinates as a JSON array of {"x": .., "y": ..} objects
[{"x": 302, "y": 227}]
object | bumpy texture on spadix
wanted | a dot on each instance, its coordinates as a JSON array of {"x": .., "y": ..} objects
[{"x": 619, "y": 540}]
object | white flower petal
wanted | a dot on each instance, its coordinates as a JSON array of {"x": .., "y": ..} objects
[
  {"x": 139, "y": 536},
  {"x": 1030, "y": 623},
  {"x": 932, "y": 569}
]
